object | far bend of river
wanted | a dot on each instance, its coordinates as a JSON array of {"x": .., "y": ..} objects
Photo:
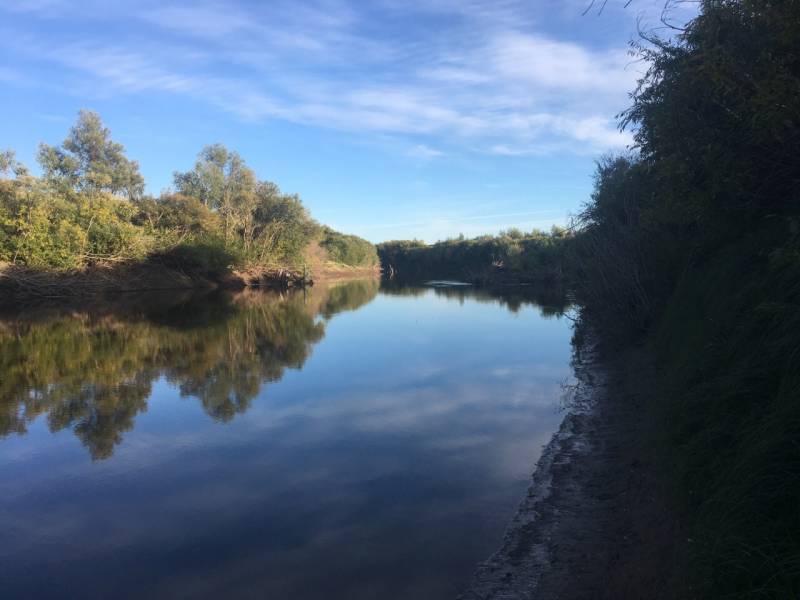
[{"x": 347, "y": 442}]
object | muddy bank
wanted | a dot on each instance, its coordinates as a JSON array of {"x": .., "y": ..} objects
[
  {"x": 594, "y": 523},
  {"x": 20, "y": 285}
]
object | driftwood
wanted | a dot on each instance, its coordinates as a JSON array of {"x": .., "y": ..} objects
[
  {"x": 20, "y": 283},
  {"x": 276, "y": 278}
]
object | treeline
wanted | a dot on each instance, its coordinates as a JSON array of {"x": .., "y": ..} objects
[
  {"x": 89, "y": 207},
  {"x": 512, "y": 255},
  {"x": 692, "y": 243}
]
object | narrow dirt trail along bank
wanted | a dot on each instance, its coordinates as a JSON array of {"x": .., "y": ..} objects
[{"x": 592, "y": 525}]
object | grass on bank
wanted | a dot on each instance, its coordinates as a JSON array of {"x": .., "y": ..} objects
[
  {"x": 691, "y": 243},
  {"x": 729, "y": 356}
]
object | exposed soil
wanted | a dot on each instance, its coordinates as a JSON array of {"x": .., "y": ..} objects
[
  {"x": 19, "y": 285},
  {"x": 594, "y": 523}
]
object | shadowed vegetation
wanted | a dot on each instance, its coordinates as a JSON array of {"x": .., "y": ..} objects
[
  {"x": 693, "y": 242},
  {"x": 512, "y": 256}
]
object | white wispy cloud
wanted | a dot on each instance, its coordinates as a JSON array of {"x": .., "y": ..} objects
[
  {"x": 442, "y": 72},
  {"x": 424, "y": 152}
]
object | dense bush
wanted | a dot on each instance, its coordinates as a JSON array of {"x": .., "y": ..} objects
[
  {"x": 200, "y": 255},
  {"x": 718, "y": 155},
  {"x": 348, "y": 249},
  {"x": 184, "y": 216},
  {"x": 728, "y": 346},
  {"x": 280, "y": 228},
  {"x": 692, "y": 241},
  {"x": 43, "y": 230}
]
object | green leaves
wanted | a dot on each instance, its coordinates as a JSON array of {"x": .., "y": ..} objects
[
  {"x": 88, "y": 161},
  {"x": 348, "y": 250},
  {"x": 88, "y": 207}
]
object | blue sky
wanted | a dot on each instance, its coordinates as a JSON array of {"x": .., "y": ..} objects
[{"x": 392, "y": 119}]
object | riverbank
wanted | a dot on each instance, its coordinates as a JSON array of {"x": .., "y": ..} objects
[
  {"x": 596, "y": 521},
  {"x": 19, "y": 284},
  {"x": 680, "y": 481}
]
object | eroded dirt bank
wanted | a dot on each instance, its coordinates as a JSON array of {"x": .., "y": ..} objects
[
  {"x": 19, "y": 284},
  {"x": 594, "y": 523}
]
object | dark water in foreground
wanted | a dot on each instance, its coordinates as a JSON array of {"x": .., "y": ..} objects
[{"x": 345, "y": 443}]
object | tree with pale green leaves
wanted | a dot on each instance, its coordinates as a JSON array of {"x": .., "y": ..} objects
[
  {"x": 89, "y": 161},
  {"x": 267, "y": 224},
  {"x": 282, "y": 226},
  {"x": 10, "y": 164},
  {"x": 224, "y": 183}
]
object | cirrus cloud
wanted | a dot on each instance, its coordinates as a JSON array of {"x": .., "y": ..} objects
[{"x": 488, "y": 76}]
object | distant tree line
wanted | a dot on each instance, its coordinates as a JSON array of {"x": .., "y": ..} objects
[
  {"x": 89, "y": 206},
  {"x": 510, "y": 255}
]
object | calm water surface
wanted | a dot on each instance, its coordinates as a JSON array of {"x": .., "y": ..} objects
[{"x": 343, "y": 443}]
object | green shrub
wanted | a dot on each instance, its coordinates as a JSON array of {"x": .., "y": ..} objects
[
  {"x": 88, "y": 208},
  {"x": 728, "y": 347},
  {"x": 41, "y": 241},
  {"x": 207, "y": 256},
  {"x": 692, "y": 244},
  {"x": 348, "y": 250}
]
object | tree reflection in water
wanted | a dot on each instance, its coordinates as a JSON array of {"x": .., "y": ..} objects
[
  {"x": 551, "y": 300},
  {"x": 92, "y": 369}
]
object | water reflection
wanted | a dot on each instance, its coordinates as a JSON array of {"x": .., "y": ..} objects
[
  {"x": 551, "y": 300},
  {"x": 92, "y": 369},
  {"x": 386, "y": 467}
]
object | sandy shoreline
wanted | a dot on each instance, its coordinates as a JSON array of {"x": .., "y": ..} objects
[{"x": 591, "y": 524}]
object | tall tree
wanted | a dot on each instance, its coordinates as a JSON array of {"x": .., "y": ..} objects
[
  {"x": 223, "y": 182},
  {"x": 10, "y": 164},
  {"x": 281, "y": 225},
  {"x": 89, "y": 161}
]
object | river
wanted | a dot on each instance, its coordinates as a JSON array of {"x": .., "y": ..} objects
[{"x": 349, "y": 441}]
